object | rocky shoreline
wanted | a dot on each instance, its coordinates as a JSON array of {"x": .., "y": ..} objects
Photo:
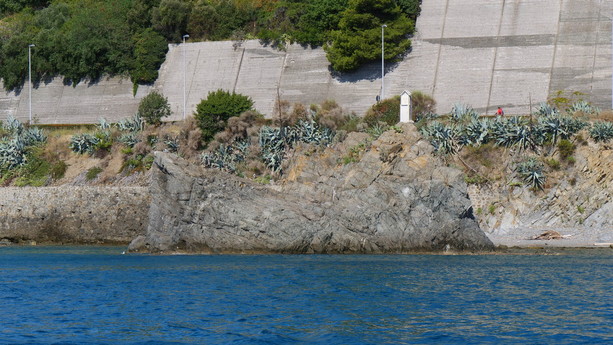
[{"x": 396, "y": 198}]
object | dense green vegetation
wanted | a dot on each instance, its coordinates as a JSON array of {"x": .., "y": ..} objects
[
  {"x": 84, "y": 40},
  {"x": 213, "y": 112}
]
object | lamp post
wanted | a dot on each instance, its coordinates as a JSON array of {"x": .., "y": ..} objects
[
  {"x": 383, "y": 61},
  {"x": 30, "y": 80},
  {"x": 184, "y": 77}
]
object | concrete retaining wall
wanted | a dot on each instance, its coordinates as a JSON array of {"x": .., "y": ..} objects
[
  {"x": 487, "y": 53},
  {"x": 74, "y": 214}
]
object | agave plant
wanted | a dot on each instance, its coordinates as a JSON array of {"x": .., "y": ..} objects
[
  {"x": 12, "y": 125},
  {"x": 12, "y": 153},
  {"x": 583, "y": 107},
  {"x": 461, "y": 112},
  {"x": 172, "y": 143},
  {"x": 531, "y": 172},
  {"x": 33, "y": 136},
  {"x": 225, "y": 157},
  {"x": 602, "y": 131},
  {"x": 103, "y": 124},
  {"x": 443, "y": 138},
  {"x": 546, "y": 110},
  {"x": 133, "y": 124},
  {"x": 377, "y": 129},
  {"x": 476, "y": 133},
  {"x": 83, "y": 143},
  {"x": 520, "y": 136},
  {"x": 553, "y": 126},
  {"x": 129, "y": 139}
]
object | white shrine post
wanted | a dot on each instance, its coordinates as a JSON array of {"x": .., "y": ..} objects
[{"x": 405, "y": 107}]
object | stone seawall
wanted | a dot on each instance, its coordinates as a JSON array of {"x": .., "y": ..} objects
[{"x": 71, "y": 214}]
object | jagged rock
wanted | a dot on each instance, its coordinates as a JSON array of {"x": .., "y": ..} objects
[{"x": 397, "y": 198}]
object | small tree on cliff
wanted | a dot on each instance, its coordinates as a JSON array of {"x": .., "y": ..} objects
[
  {"x": 153, "y": 108},
  {"x": 213, "y": 112}
]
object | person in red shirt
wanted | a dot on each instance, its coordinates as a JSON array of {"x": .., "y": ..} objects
[{"x": 500, "y": 112}]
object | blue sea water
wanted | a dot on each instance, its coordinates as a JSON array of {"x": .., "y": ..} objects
[{"x": 95, "y": 295}]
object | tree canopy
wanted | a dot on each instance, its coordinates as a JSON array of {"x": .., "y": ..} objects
[
  {"x": 83, "y": 40},
  {"x": 358, "y": 38}
]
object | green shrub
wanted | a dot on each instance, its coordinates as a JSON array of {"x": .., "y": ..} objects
[
  {"x": 153, "y": 108},
  {"x": 58, "y": 169},
  {"x": 92, "y": 173},
  {"x": 491, "y": 209},
  {"x": 387, "y": 111},
  {"x": 422, "y": 104},
  {"x": 553, "y": 163},
  {"x": 566, "y": 148},
  {"x": 213, "y": 112}
]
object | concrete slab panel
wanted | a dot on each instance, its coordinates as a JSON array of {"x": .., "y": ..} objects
[
  {"x": 514, "y": 58},
  {"x": 529, "y": 17},
  {"x": 431, "y": 20},
  {"x": 515, "y": 90},
  {"x": 477, "y": 18}
]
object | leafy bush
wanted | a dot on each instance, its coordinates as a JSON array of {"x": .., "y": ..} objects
[
  {"x": 387, "y": 111},
  {"x": 566, "y": 148},
  {"x": 92, "y": 173},
  {"x": 153, "y": 108},
  {"x": 213, "y": 112},
  {"x": 149, "y": 53},
  {"x": 358, "y": 38},
  {"x": 421, "y": 103}
]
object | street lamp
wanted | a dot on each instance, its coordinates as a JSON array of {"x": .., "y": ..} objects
[
  {"x": 30, "y": 79},
  {"x": 184, "y": 77},
  {"x": 382, "y": 61}
]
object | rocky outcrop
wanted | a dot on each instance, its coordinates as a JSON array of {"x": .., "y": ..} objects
[
  {"x": 576, "y": 202},
  {"x": 391, "y": 196},
  {"x": 73, "y": 215}
]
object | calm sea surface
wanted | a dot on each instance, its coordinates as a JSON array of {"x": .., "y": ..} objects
[{"x": 90, "y": 295}]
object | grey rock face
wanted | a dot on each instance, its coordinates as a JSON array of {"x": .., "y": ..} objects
[
  {"x": 71, "y": 214},
  {"x": 397, "y": 198}
]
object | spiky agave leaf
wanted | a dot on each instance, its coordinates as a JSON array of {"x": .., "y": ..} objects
[
  {"x": 583, "y": 107},
  {"x": 602, "y": 131},
  {"x": 83, "y": 143},
  {"x": 461, "y": 112},
  {"x": 546, "y": 110},
  {"x": 531, "y": 172}
]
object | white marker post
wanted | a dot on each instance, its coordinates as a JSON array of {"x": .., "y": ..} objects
[{"x": 405, "y": 107}]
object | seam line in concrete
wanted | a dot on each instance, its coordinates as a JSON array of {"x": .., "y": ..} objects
[
  {"x": 238, "y": 72},
  {"x": 440, "y": 47},
  {"x": 191, "y": 81},
  {"x": 489, "y": 96},
  {"x": 595, "y": 52},
  {"x": 555, "y": 48}
]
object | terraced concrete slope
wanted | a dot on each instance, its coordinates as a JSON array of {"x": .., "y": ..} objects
[{"x": 487, "y": 53}]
